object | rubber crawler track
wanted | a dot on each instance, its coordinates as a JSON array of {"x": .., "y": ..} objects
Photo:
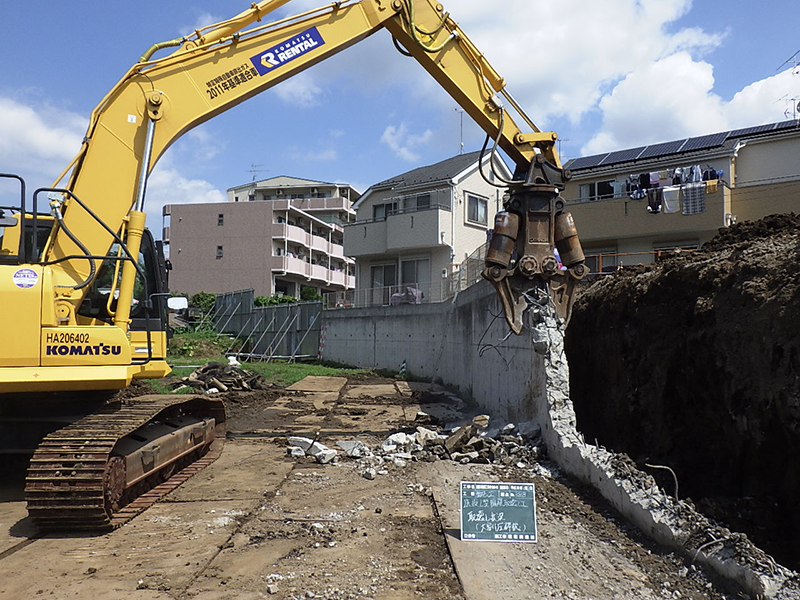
[{"x": 67, "y": 484}]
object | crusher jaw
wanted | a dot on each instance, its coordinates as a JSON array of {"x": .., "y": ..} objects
[{"x": 534, "y": 252}]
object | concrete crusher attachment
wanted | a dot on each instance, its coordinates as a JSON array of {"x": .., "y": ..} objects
[{"x": 104, "y": 469}]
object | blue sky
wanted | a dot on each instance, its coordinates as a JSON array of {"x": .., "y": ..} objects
[{"x": 604, "y": 75}]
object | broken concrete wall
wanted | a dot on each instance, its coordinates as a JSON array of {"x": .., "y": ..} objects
[
  {"x": 460, "y": 343},
  {"x": 672, "y": 522}
]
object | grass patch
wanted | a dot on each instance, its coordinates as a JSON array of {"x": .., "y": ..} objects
[
  {"x": 285, "y": 373},
  {"x": 187, "y": 351}
]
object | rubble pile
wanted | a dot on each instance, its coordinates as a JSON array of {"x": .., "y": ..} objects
[
  {"x": 214, "y": 377},
  {"x": 473, "y": 442}
]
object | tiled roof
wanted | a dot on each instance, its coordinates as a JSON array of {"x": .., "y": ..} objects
[{"x": 441, "y": 171}]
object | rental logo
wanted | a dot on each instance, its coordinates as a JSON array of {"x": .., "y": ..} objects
[
  {"x": 286, "y": 51},
  {"x": 25, "y": 278}
]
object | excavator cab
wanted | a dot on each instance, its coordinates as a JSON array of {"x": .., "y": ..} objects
[{"x": 62, "y": 344}]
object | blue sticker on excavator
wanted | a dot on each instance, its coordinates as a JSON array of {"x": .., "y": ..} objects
[{"x": 286, "y": 51}]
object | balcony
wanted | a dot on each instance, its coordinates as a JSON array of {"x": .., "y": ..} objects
[
  {"x": 412, "y": 230},
  {"x": 319, "y": 274},
  {"x": 291, "y": 233}
]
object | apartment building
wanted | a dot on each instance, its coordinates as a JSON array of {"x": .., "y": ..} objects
[
  {"x": 631, "y": 204},
  {"x": 277, "y": 236},
  {"x": 411, "y": 229}
]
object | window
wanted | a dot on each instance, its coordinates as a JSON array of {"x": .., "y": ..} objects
[
  {"x": 600, "y": 190},
  {"x": 219, "y": 252},
  {"x": 415, "y": 272},
  {"x": 220, "y": 219},
  {"x": 476, "y": 209},
  {"x": 381, "y": 211},
  {"x": 382, "y": 276},
  {"x": 419, "y": 202},
  {"x": 236, "y": 198}
]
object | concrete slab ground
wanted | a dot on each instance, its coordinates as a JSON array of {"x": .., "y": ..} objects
[
  {"x": 258, "y": 524},
  {"x": 316, "y": 383}
]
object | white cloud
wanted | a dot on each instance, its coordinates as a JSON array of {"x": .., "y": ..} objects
[
  {"x": 300, "y": 90},
  {"x": 402, "y": 143},
  {"x": 38, "y": 142},
  {"x": 568, "y": 61},
  {"x": 673, "y": 98},
  {"x": 665, "y": 100},
  {"x": 204, "y": 145},
  {"x": 764, "y": 101},
  {"x": 167, "y": 185}
]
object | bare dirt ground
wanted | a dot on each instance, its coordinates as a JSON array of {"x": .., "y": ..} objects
[
  {"x": 260, "y": 524},
  {"x": 694, "y": 363}
]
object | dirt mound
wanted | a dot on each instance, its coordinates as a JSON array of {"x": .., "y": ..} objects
[{"x": 694, "y": 363}]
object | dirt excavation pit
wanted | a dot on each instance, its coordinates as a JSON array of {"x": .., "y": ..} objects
[{"x": 692, "y": 365}]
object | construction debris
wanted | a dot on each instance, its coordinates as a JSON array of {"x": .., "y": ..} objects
[
  {"x": 465, "y": 444},
  {"x": 214, "y": 377}
]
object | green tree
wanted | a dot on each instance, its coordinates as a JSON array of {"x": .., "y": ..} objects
[
  {"x": 309, "y": 294},
  {"x": 203, "y": 300}
]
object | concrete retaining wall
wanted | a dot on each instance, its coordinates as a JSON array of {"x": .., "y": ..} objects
[{"x": 459, "y": 343}]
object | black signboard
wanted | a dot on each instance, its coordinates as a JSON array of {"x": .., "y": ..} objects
[{"x": 498, "y": 512}]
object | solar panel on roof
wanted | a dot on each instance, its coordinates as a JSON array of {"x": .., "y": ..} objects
[
  {"x": 585, "y": 162},
  {"x": 751, "y": 130},
  {"x": 705, "y": 141},
  {"x": 623, "y": 155},
  {"x": 786, "y": 124},
  {"x": 662, "y": 149}
]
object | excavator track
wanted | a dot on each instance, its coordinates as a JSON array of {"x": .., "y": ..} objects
[{"x": 77, "y": 475}]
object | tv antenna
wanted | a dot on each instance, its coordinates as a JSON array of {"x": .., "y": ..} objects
[
  {"x": 255, "y": 170},
  {"x": 461, "y": 114},
  {"x": 794, "y": 61},
  {"x": 558, "y": 144}
]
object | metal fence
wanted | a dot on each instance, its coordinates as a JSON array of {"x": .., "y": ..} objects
[{"x": 262, "y": 333}]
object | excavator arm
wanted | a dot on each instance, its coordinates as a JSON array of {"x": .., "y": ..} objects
[{"x": 218, "y": 67}]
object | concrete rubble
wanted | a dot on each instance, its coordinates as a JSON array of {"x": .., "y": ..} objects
[{"x": 472, "y": 442}]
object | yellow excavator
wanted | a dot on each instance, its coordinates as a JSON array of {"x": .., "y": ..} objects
[{"x": 84, "y": 284}]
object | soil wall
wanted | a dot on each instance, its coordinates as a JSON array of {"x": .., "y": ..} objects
[{"x": 694, "y": 363}]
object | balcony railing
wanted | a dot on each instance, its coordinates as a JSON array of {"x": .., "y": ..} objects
[
  {"x": 390, "y": 295},
  {"x": 401, "y": 211},
  {"x": 318, "y": 273}
]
